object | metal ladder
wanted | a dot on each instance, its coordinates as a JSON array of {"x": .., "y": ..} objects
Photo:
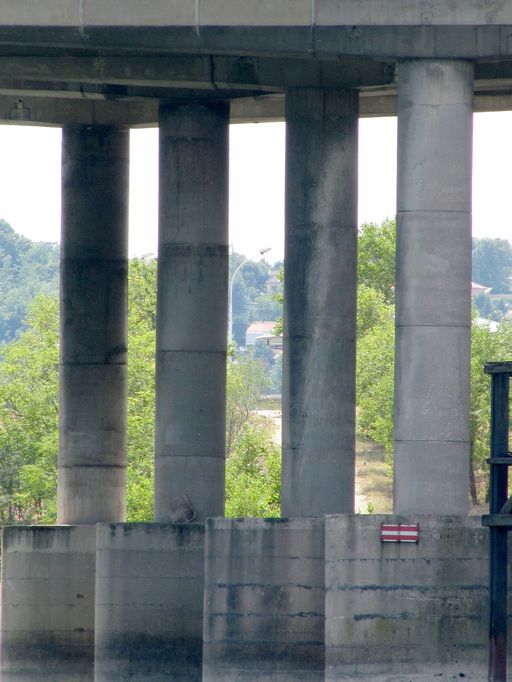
[{"x": 499, "y": 519}]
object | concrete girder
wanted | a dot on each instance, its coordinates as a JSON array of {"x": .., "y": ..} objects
[
  {"x": 196, "y": 71},
  {"x": 421, "y": 39},
  {"x": 83, "y": 15}
]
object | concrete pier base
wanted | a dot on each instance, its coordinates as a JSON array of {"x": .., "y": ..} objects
[
  {"x": 264, "y": 600},
  {"x": 400, "y": 612},
  {"x": 149, "y": 603},
  {"x": 48, "y": 604}
]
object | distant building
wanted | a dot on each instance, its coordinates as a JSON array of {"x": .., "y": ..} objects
[
  {"x": 477, "y": 289},
  {"x": 258, "y": 329}
]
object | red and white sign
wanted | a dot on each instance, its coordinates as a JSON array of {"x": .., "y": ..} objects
[{"x": 399, "y": 532}]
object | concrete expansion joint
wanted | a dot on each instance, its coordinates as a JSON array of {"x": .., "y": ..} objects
[
  {"x": 92, "y": 466},
  {"x": 108, "y": 362},
  {"x": 433, "y": 105},
  {"x": 439, "y": 325},
  {"x": 122, "y": 260},
  {"x": 434, "y": 211},
  {"x": 172, "y": 455},
  {"x": 441, "y": 442},
  {"x": 219, "y": 247},
  {"x": 188, "y": 351},
  {"x": 197, "y": 18},
  {"x": 333, "y": 338}
]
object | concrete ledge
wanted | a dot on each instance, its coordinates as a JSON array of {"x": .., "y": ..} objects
[
  {"x": 411, "y": 612},
  {"x": 48, "y": 603},
  {"x": 264, "y": 600},
  {"x": 149, "y": 602}
]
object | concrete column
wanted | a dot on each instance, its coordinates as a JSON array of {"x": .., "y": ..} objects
[
  {"x": 93, "y": 372},
  {"x": 433, "y": 292},
  {"x": 320, "y": 302},
  {"x": 192, "y": 310},
  {"x": 48, "y": 603}
]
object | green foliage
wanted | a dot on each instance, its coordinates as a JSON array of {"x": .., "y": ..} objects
[
  {"x": 141, "y": 388},
  {"x": 279, "y": 298},
  {"x": 372, "y": 309},
  {"x": 246, "y": 382},
  {"x": 26, "y": 269},
  {"x": 29, "y": 419},
  {"x": 486, "y": 346},
  {"x": 375, "y": 381},
  {"x": 253, "y": 474},
  {"x": 376, "y": 260},
  {"x": 492, "y": 264}
]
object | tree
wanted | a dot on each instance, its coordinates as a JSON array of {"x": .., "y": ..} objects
[
  {"x": 492, "y": 263},
  {"x": 26, "y": 268},
  {"x": 29, "y": 418},
  {"x": 375, "y": 380},
  {"x": 376, "y": 262},
  {"x": 245, "y": 384},
  {"x": 486, "y": 346},
  {"x": 253, "y": 473}
]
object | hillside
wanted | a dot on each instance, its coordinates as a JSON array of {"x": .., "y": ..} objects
[{"x": 26, "y": 269}]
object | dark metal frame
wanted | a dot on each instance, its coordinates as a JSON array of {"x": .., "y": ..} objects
[{"x": 499, "y": 520}]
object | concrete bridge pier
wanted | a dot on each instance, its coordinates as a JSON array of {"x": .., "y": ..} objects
[
  {"x": 192, "y": 310},
  {"x": 94, "y": 314},
  {"x": 320, "y": 302},
  {"x": 149, "y": 577},
  {"x": 433, "y": 295},
  {"x": 48, "y": 573}
]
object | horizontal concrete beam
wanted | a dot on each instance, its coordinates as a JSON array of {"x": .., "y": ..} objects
[
  {"x": 376, "y": 28},
  {"x": 422, "y": 40},
  {"x": 29, "y": 108},
  {"x": 194, "y": 71},
  {"x": 84, "y": 14}
]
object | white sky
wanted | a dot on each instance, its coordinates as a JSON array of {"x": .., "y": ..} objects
[{"x": 30, "y": 181}]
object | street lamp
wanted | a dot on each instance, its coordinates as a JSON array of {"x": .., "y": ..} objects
[{"x": 261, "y": 252}]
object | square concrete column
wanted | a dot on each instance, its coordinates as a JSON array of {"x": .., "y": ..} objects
[
  {"x": 192, "y": 309},
  {"x": 93, "y": 371},
  {"x": 149, "y": 602},
  {"x": 320, "y": 302},
  {"x": 48, "y": 603},
  {"x": 433, "y": 287}
]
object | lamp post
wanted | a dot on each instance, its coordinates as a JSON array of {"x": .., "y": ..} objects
[{"x": 261, "y": 252}]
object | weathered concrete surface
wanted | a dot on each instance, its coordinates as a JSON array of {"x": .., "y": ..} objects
[
  {"x": 93, "y": 351},
  {"x": 406, "y": 612},
  {"x": 404, "y": 28},
  {"x": 48, "y": 604},
  {"x": 320, "y": 303},
  {"x": 264, "y": 600},
  {"x": 433, "y": 288},
  {"x": 192, "y": 309},
  {"x": 149, "y": 602}
]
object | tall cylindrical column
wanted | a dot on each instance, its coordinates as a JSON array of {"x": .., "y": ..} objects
[
  {"x": 192, "y": 309},
  {"x": 433, "y": 287},
  {"x": 93, "y": 371},
  {"x": 320, "y": 302}
]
